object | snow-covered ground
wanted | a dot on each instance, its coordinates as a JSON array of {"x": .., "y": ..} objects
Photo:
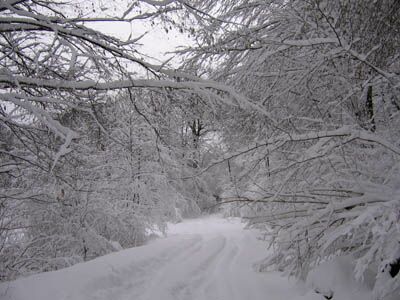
[{"x": 207, "y": 258}]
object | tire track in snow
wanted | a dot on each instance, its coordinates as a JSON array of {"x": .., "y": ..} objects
[
  {"x": 217, "y": 286},
  {"x": 200, "y": 275},
  {"x": 188, "y": 273},
  {"x": 133, "y": 280}
]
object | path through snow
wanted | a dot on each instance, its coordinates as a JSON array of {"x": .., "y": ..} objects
[{"x": 201, "y": 259}]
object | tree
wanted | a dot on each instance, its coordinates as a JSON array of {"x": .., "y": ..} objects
[
  {"x": 322, "y": 167},
  {"x": 57, "y": 76}
]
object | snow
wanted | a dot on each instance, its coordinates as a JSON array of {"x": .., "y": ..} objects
[
  {"x": 206, "y": 258},
  {"x": 335, "y": 278}
]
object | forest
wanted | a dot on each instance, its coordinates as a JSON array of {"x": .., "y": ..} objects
[{"x": 285, "y": 113}]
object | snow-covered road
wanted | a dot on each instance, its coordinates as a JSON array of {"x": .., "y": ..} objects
[{"x": 201, "y": 259}]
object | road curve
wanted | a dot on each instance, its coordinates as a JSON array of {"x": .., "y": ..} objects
[{"x": 208, "y": 258}]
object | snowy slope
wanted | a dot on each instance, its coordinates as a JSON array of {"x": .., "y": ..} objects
[{"x": 208, "y": 258}]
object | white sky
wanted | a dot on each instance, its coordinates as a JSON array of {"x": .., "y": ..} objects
[{"x": 155, "y": 43}]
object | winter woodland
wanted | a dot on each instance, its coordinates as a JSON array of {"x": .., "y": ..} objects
[{"x": 285, "y": 113}]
